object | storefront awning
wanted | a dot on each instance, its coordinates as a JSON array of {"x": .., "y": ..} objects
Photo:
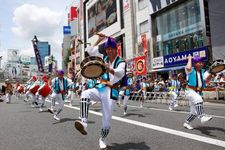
[{"x": 168, "y": 69}]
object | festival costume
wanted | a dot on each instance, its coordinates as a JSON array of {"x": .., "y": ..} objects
[{"x": 106, "y": 93}]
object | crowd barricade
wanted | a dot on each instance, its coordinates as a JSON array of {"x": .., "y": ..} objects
[{"x": 159, "y": 98}]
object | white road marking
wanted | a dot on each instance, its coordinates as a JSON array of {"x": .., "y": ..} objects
[
  {"x": 181, "y": 112},
  {"x": 162, "y": 129}
]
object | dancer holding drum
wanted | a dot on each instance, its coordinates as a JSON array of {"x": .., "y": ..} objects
[
  {"x": 196, "y": 77},
  {"x": 30, "y": 89},
  {"x": 106, "y": 90},
  {"x": 43, "y": 92}
]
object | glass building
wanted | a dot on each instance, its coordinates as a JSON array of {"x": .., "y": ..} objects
[
  {"x": 44, "y": 50},
  {"x": 178, "y": 29}
]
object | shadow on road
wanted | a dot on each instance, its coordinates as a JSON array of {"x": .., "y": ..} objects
[
  {"x": 65, "y": 120},
  {"x": 129, "y": 146},
  {"x": 134, "y": 114},
  {"x": 207, "y": 130}
]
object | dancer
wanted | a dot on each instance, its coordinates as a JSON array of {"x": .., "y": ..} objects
[
  {"x": 8, "y": 91},
  {"x": 106, "y": 91},
  {"x": 196, "y": 77},
  {"x": 60, "y": 86}
]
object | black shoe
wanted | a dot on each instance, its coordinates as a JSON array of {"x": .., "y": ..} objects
[
  {"x": 36, "y": 103},
  {"x": 50, "y": 110}
]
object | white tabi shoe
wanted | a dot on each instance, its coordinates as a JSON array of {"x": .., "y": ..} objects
[
  {"x": 81, "y": 127},
  {"x": 102, "y": 143},
  {"x": 170, "y": 108},
  {"x": 205, "y": 118},
  {"x": 188, "y": 126},
  {"x": 176, "y": 105},
  {"x": 56, "y": 118},
  {"x": 40, "y": 109}
]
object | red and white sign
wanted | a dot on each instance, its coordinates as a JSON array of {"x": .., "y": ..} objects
[
  {"x": 144, "y": 43},
  {"x": 140, "y": 65},
  {"x": 73, "y": 13},
  {"x": 119, "y": 49},
  {"x": 126, "y": 5}
]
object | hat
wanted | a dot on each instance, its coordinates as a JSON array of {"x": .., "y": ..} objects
[
  {"x": 110, "y": 43},
  {"x": 60, "y": 72},
  {"x": 197, "y": 59},
  {"x": 174, "y": 75}
]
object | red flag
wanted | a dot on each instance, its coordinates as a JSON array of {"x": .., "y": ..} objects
[
  {"x": 140, "y": 65},
  {"x": 73, "y": 13},
  {"x": 144, "y": 43},
  {"x": 119, "y": 49}
]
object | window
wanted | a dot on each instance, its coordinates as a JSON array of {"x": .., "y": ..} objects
[
  {"x": 142, "y": 4},
  {"x": 144, "y": 27}
]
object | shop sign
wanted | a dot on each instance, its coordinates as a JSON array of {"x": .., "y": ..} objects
[
  {"x": 181, "y": 32},
  {"x": 181, "y": 58},
  {"x": 158, "y": 62}
]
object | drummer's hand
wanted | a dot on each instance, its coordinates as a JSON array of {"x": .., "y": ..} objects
[
  {"x": 107, "y": 67},
  {"x": 101, "y": 36},
  {"x": 189, "y": 57}
]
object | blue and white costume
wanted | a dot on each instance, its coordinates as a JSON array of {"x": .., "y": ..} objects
[
  {"x": 60, "y": 88},
  {"x": 103, "y": 93}
]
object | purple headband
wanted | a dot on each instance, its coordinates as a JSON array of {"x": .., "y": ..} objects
[
  {"x": 110, "y": 43},
  {"x": 197, "y": 59},
  {"x": 60, "y": 72},
  {"x": 174, "y": 75}
]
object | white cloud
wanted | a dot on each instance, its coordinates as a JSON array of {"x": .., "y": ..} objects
[{"x": 32, "y": 20}]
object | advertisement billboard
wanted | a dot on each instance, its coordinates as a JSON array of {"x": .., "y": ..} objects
[
  {"x": 13, "y": 55},
  {"x": 102, "y": 16},
  {"x": 156, "y": 5}
]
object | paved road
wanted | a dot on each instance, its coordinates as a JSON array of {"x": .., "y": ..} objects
[{"x": 153, "y": 127}]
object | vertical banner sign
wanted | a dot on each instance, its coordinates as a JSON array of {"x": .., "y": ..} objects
[
  {"x": 73, "y": 13},
  {"x": 140, "y": 65},
  {"x": 144, "y": 43},
  {"x": 37, "y": 54},
  {"x": 119, "y": 49},
  {"x": 126, "y": 5}
]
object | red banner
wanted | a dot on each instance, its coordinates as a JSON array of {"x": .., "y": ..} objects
[
  {"x": 73, "y": 13},
  {"x": 144, "y": 43},
  {"x": 119, "y": 49},
  {"x": 140, "y": 65}
]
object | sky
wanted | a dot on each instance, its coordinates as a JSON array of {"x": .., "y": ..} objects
[{"x": 20, "y": 20}]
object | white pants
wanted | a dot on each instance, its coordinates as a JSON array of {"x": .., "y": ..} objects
[
  {"x": 173, "y": 98},
  {"x": 102, "y": 95},
  {"x": 125, "y": 99},
  {"x": 40, "y": 99},
  {"x": 8, "y": 97},
  {"x": 57, "y": 97},
  {"x": 193, "y": 98}
]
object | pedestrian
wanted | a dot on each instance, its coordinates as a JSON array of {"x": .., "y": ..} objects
[
  {"x": 196, "y": 77},
  {"x": 8, "y": 91},
  {"x": 106, "y": 91},
  {"x": 174, "y": 91}
]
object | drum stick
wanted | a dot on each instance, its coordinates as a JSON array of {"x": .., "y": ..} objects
[
  {"x": 82, "y": 42},
  {"x": 103, "y": 35}
]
